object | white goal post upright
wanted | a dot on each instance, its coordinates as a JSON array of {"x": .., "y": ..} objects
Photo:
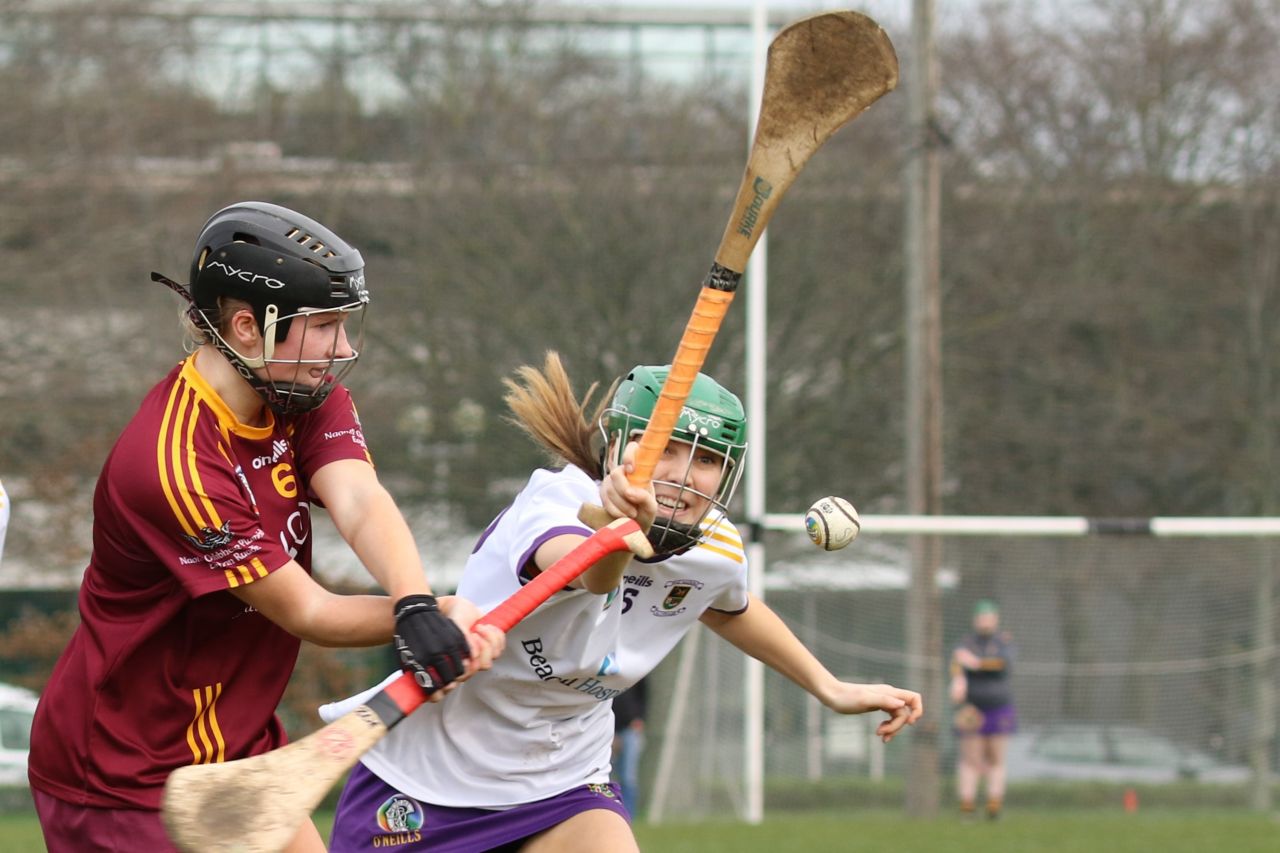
[{"x": 757, "y": 301}]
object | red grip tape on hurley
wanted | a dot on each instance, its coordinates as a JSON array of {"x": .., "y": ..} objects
[{"x": 606, "y": 540}]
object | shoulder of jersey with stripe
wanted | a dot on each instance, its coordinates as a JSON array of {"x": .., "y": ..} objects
[{"x": 721, "y": 537}]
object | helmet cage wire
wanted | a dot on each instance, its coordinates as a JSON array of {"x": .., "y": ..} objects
[
  {"x": 667, "y": 535},
  {"x": 288, "y": 397},
  {"x": 304, "y": 396}
]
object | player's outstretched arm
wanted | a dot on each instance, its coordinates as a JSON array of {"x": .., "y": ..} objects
[
  {"x": 761, "y": 633},
  {"x": 367, "y": 517},
  {"x": 903, "y": 706}
]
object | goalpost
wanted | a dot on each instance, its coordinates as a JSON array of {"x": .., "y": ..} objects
[{"x": 1163, "y": 629}]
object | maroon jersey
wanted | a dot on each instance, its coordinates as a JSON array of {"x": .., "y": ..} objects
[{"x": 168, "y": 667}]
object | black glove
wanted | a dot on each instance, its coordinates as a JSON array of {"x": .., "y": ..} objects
[{"x": 431, "y": 646}]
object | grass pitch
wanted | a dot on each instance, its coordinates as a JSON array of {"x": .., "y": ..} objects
[
  {"x": 1026, "y": 832},
  {"x": 1038, "y": 831}
]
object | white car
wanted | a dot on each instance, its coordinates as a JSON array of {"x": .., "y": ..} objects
[
  {"x": 1110, "y": 753},
  {"x": 17, "y": 707}
]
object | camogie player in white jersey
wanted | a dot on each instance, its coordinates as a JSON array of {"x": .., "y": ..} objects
[{"x": 519, "y": 758}]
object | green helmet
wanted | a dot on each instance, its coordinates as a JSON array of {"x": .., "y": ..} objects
[
  {"x": 712, "y": 414},
  {"x": 712, "y": 417}
]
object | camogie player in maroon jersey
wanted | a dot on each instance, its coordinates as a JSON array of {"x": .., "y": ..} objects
[{"x": 199, "y": 588}]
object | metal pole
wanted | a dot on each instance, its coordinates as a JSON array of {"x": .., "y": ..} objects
[{"x": 923, "y": 409}]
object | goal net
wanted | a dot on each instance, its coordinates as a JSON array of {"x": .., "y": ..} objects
[{"x": 1144, "y": 657}]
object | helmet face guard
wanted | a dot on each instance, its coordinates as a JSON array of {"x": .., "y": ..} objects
[
  {"x": 296, "y": 393},
  {"x": 288, "y": 269},
  {"x": 712, "y": 419}
]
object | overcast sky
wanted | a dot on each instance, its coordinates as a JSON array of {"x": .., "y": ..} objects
[{"x": 895, "y": 13}]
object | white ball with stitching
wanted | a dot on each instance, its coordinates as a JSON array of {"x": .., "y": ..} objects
[{"x": 832, "y": 523}]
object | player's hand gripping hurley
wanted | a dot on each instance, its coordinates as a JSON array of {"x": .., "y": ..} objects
[{"x": 821, "y": 72}]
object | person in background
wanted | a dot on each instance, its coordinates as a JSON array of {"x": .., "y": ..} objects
[
  {"x": 199, "y": 591},
  {"x": 629, "y": 710},
  {"x": 985, "y": 716}
]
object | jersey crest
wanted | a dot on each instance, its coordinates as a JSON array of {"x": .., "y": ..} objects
[
  {"x": 208, "y": 539},
  {"x": 677, "y": 591}
]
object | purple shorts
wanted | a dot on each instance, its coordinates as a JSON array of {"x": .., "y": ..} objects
[
  {"x": 372, "y": 815},
  {"x": 69, "y": 828},
  {"x": 1001, "y": 720}
]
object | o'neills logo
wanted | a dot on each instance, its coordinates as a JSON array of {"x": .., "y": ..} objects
[
  {"x": 397, "y": 839},
  {"x": 762, "y": 189},
  {"x": 246, "y": 275}
]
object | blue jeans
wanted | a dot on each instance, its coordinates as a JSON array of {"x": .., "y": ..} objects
[{"x": 627, "y": 767}]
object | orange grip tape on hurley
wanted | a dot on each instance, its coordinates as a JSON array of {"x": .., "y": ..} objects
[{"x": 708, "y": 313}]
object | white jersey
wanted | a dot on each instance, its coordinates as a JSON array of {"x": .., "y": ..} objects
[{"x": 541, "y": 721}]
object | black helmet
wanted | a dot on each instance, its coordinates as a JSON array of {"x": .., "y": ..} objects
[
  {"x": 284, "y": 266},
  {"x": 277, "y": 260}
]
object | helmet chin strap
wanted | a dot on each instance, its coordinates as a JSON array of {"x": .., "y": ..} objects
[{"x": 668, "y": 536}]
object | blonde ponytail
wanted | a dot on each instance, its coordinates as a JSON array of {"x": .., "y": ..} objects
[{"x": 543, "y": 405}]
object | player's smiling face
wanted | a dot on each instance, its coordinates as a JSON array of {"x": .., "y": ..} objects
[{"x": 698, "y": 470}]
